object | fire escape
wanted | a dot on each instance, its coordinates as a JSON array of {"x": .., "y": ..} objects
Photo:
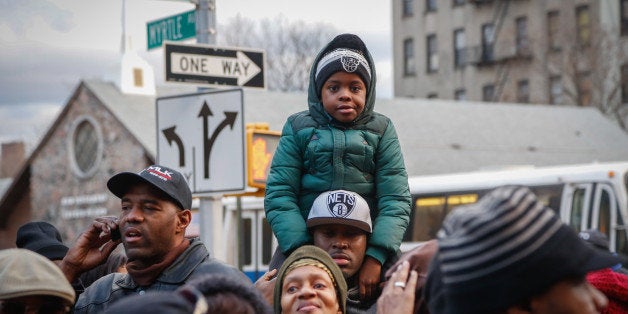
[{"x": 494, "y": 53}]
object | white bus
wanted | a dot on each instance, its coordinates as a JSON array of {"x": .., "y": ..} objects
[{"x": 587, "y": 196}]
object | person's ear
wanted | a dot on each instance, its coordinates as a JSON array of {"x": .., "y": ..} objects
[{"x": 185, "y": 217}]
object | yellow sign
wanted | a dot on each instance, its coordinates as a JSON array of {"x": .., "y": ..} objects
[{"x": 261, "y": 145}]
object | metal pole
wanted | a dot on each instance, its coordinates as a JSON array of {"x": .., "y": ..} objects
[
  {"x": 212, "y": 220},
  {"x": 206, "y": 22},
  {"x": 210, "y": 207}
]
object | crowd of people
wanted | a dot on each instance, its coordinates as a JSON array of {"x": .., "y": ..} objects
[{"x": 338, "y": 202}]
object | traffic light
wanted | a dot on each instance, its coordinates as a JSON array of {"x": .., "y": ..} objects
[{"x": 261, "y": 144}]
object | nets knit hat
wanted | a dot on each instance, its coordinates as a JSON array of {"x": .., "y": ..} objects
[
  {"x": 165, "y": 179},
  {"x": 26, "y": 273},
  {"x": 506, "y": 248},
  {"x": 340, "y": 207},
  {"x": 346, "y": 52},
  {"x": 42, "y": 238},
  {"x": 315, "y": 256}
]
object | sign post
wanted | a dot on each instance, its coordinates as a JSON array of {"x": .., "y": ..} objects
[
  {"x": 176, "y": 27},
  {"x": 210, "y": 65}
]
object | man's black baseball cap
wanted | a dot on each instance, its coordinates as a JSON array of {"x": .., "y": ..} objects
[{"x": 162, "y": 178}]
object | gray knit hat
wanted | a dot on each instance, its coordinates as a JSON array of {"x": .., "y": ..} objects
[
  {"x": 506, "y": 248},
  {"x": 26, "y": 273}
]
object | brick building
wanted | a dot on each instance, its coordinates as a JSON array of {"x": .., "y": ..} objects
[{"x": 569, "y": 52}]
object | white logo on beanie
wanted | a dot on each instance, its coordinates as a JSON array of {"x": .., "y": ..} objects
[
  {"x": 349, "y": 64},
  {"x": 340, "y": 203}
]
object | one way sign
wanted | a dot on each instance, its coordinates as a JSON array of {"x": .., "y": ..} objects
[
  {"x": 201, "y": 135},
  {"x": 203, "y": 64}
]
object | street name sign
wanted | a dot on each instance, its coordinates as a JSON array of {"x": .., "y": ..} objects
[
  {"x": 176, "y": 27},
  {"x": 204, "y": 64},
  {"x": 202, "y": 136}
]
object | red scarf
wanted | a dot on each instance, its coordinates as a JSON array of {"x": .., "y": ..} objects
[
  {"x": 145, "y": 276},
  {"x": 615, "y": 286}
]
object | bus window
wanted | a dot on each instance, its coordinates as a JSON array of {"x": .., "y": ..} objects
[
  {"x": 549, "y": 195},
  {"x": 426, "y": 218},
  {"x": 604, "y": 215},
  {"x": 267, "y": 242},
  {"x": 429, "y": 213},
  {"x": 621, "y": 240},
  {"x": 246, "y": 241},
  {"x": 577, "y": 207}
]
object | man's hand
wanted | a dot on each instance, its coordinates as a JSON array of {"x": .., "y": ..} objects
[
  {"x": 91, "y": 248},
  {"x": 266, "y": 285},
  {"x": 369, "y": 278}
]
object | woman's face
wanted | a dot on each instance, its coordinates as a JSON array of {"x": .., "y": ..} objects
[{"x": 308, "y": 289}]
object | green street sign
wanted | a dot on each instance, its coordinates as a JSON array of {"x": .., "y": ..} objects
[{"x": 176, "y": 27}]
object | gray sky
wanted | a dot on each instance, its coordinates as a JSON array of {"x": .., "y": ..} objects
[{"x": 48, "y": 46}]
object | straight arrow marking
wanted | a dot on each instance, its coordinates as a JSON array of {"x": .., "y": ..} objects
[{"x": 240, "y": 67}]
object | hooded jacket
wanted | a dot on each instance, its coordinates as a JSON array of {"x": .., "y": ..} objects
[{"x": 317, "y": 153}]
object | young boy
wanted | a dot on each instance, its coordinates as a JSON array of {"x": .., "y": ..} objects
[{"x": 340, "y": 143}]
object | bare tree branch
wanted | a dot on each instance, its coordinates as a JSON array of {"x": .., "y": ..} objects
[{"x": 290, "y": 47}]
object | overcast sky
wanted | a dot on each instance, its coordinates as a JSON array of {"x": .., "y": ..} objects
[{"x": 48, "y": 46}]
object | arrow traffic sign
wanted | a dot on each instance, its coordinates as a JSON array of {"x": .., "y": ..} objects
[
  {"x": 202, "y": 136},
  {"x": 204, "y": 64}
]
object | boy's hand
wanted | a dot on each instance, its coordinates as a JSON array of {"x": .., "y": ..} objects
[
  {"x": 369, "y": 278},
  {"x": 266, "y": 285}
]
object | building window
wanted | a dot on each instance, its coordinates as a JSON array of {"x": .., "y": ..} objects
[
  {"x": 488, "y": 92},
  {"x": 432, "y": 53},
  {"x": 583, "y": 25},
  {"x": 409, "y": 64},
  {"x": 430, "y": 5},
  {"x": 623, "y": 12},
  {"x": 460, "y": 94},
  {"x": 432, "y": 96},
  {"x": 523, "y": 91},
  {"x": 407, "y": 9},
  {"x": 556, "y": 90},
  {"x": 552, "y": 30},
  {"x": 624, "y": 84},
  {"x": 85, "y": 146},
  {"x": 459, "y": 48},
  {"x": 584, "y": 88},
  {"x": 522, "y": 36},
  {"x": 138, "y": 78},
  {"x": 488, "y": 37}
]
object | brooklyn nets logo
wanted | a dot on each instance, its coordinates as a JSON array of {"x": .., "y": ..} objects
[
  {"x": 340, "y": 204},
  {"x": 349, "y": 64}
]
